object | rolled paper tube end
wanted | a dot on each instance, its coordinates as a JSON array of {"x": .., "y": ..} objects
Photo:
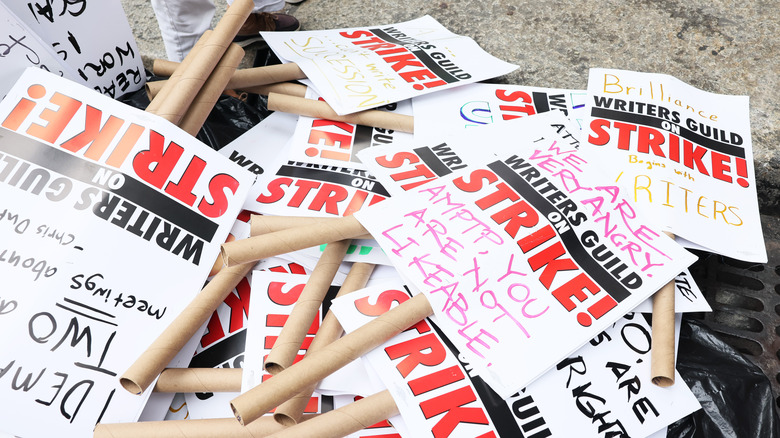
[
  {"x": 273, "y": 368},
  {"x": 237, "y": 414},
  {"x": 284, "y": 419},
  {"x": 663, "y": 381},
  {"x": 130, "y": 386},
  {"x": 225, "y": 257}
]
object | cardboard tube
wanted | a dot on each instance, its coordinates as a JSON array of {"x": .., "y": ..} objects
[
  {"x": 159, "y": 354},
  {"x": 288, "y": 88},
  {"x": 291, "y": 411},
  {"x": 261, "y": 224},
  {"x": 207, "y": 97},
  {"x": 345, "y": 420},
  {"x": 289, "y": 240},
  {"x": 164, "y": 67},
  {"x": 321, "y": 110},
  {"x": 246, "y": 77},
  {"x": 153, "y": 89},
  {"x": 192, "y": 79},
  {"x": 220, "y": 427},
  {"x": 165, "y": 88},
  {"x": 290, "y": 338},
  {"x": 252, "y": 404},
  {"x": 199, "y": 380},
  {"x": 662, "y": 360}
]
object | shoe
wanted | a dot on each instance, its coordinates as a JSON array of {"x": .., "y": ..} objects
[
  {"x": 293, "y": 2},
  {"x": 264, "y": 22}
]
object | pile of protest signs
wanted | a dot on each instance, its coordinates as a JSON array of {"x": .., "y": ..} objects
[{"x": 400, "y": 250}]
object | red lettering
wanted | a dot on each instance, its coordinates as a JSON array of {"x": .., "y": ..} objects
[
  {"x": 424, "y": 350},
  {"x": 602, "y": 136},
  {"x": 502, "y": 192},
  {"x": 57, "y": 119},
  {"x": 217, "y": 187},
  {"x": 214, "y": 331},
  {"x": 575, "y": 288},
  {"x": 519, "y": 214},
  {"x": 513, "y": 96},
  {"x": 278, "y": 295},
  {"x": 183, "y": 189},
  {"x": 399, "y": 62},
  {"x": 239, "y": 305},
  {"x": 329, "y": 195},
  {"x": 304, "y": 187},
  {"x": 720, "y": 166},
  {"x": 276, "y": 190},
  {"x": 356, "y": 34},
  {"x": 548, "y": 258},
  {"x": 156, "y": 164},
  {"x": 330, "y": 139},
  {"x": 436, "y": 380},
  {"x": 93, "y": 134},
  {"x": 451, "y": 405},
  {"x": 624, "y": 134},
  {"x": 397, "y": 160},
  {"x": 474, "y": 183},
  {"x": 649, "y": 138},
  {"x": 383, "y": 303}
]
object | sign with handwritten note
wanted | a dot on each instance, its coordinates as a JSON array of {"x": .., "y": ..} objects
[
  {"x": 20, "y": 48},
  {"x": 685, "y": 154},
  {"x": 110, "y": 220},
  {"x": 514, "y": 251},
  {"x": 360, "y": 68},
  {"x": 93, "y": 38}
]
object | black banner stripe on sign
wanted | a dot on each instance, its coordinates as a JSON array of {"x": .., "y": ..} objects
[
  {"x": 503, "y": 419},
  {"x": 362, "y": 140},
  {"x": 385, "y": 36},
  {"x": 331, "y": 177},
  {"x": 420, "y": 54},
  {"x": 221, "y": 351},
  {"x": 569, "y": 239},
  {"x": 432, "y": 161},
  {"x": 132, "y": 190},
  {"x": 434, "y": 66},
  {"x": 655, "y": 122},
  {"x": 540, "y": 102}
]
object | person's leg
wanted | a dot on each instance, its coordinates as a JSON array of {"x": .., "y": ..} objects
[
  {"x": 264, "y": 19},
  {"x": 181, "y": 23}
]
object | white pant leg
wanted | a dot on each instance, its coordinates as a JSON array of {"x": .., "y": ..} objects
[
  {"x": 181, "y": 23},
  {"x": 266, "y": 5}
]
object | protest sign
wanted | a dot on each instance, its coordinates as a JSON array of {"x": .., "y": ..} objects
[
  {"x": 275, "y": 294},
  {"x": 93, "y": 38},
  {"x": 426, "y": 375},
  {"x": 360, "y": 68},
  {"x": 405, "y": 166},
  {"x": 20, "y": 48},
  {"x": 523, "y": 248},
  {"x": 111, "y": 221},
  {"x": 305, "y": 189},
  {"x": 335, "y": 143},
  {"x": 261, "y": 156},
  {"x": 685, "y": 155},
  {"x": 221, "y": 346},
  {"x": 484, "y": 104}
]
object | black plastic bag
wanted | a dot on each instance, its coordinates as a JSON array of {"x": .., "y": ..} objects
[{"x": 736, "y": 396}]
